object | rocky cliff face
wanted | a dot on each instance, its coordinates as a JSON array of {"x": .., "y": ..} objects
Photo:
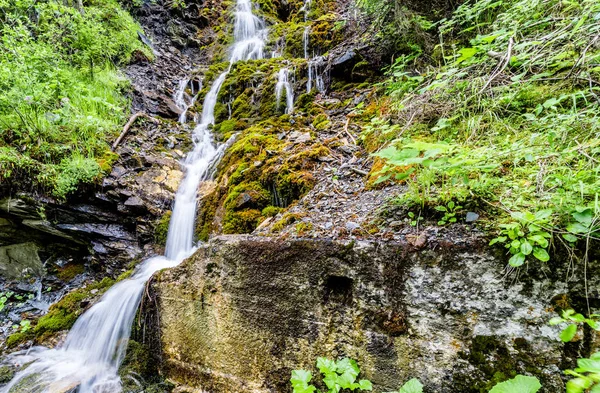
[{"x": 244, "y": 311}]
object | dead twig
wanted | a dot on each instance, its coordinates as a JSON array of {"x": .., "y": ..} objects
[
  {"x": 132, "y": 119},
  {"x": 511, "y": 41}
]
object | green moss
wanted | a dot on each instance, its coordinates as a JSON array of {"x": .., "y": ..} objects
[
  {"x": 287, "y": 219},
  {"x": 302, "y": 228},
  {"x": 6, "y": 374},
  {"x": 321, "y": 122},
  {"x": 63, "y": 314},
  {"x": 271, "y": 211},
  {"x": 162, "y": 228},
  {"x": 69, "y": 271},
  {"x": 16, "y": 339},
  {"x": 242, "y": 222}
]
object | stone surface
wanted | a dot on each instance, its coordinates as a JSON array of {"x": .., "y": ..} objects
[{"x": 244, "y": 311}]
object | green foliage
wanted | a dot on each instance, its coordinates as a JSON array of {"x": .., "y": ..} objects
[
  {"x": 24, "y": 326},
  {"x": 62, "y": 97},
  {"x": 526, "y": 236},
  {"x": 337, "y": 375},
  {"x": 449, "y": 211},
  {"x": 574, "y": 319},
  {"x": 505, "y": 115},
  {"x": 519, "y": 384},
  {"x": 411, "y": 386},
  {"x": 587, "y": 375}
]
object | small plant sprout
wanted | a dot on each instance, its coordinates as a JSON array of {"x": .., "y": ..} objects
[
  {"x": 337, "y": 375},
  {"x": 526, "y": 236},
  {"x": 449, "y": 211},
  {"x": 573, "y": 320}
]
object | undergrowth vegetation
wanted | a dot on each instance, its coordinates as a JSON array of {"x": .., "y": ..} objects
[
  {"x": 502, "y": 115},
  {"x": 61, "y": 95}
]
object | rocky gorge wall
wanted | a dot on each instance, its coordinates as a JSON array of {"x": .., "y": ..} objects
[{"x": 244, "y": 311}]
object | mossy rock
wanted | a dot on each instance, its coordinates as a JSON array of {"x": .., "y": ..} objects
[{"x": 63, "y": 314}]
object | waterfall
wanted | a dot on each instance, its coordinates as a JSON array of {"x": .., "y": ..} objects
[
  {"x": 315, "y": 74},
  {"x": 283, "y": 83},
  {"x": 182, "y": 100},
  {"x": 95, "y": 347},
  {"x": 306, "y": 9},
  {"x": 305, "y": 38}
]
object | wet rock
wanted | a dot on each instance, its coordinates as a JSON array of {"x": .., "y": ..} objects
[
  {"x": 471, "y": 217},
  {"x": 350, "y": 225},
  {"x": 299, "y": 137},
  {"x": 20, "y": 260},
  {"x": 263, "y": 306},
  {"x": 136, "y": 203}
]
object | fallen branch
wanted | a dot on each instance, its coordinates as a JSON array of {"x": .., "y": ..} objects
[
  {"x": 348, "y": 132},
  {"x": 359, "y": 171},
  {"x": 132, "y": 119},
  {"x": 511, "y": 41}
]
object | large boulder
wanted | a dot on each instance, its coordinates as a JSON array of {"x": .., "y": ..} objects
[{"x": 244, "y": 311}]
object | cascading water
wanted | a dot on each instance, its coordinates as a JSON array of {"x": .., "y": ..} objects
[
  {"x": 182, "y": 100},
  {"x": 314, "y": 65},
  {"x": 284, "y": 83},
  {"x": 94, "y": 349},
  {"x": 305, "y": 38}
]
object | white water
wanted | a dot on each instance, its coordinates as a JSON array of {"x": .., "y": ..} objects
[
  {"x": 94, "y": 349},
  {"x": 315, "y": 75},
  {"x": 183, "y": 100},
  {"x": 305, "y": 38},
  {"x": 284, "y": 83}
]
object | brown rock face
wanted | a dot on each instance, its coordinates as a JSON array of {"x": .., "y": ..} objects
[{"x": 244, "y": 311}]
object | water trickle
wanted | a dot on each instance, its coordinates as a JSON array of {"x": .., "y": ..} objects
[
  {"x": 306, "y": 9},
  {"x": 305, "y": 38},
  {"x": 284, "y": 83},
  {"x": 94, "y": 349},
  {"x": 315, "y": 74},
  {"x": 184, "y": 101}
]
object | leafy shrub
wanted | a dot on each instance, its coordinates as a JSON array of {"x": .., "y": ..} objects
[
  {"x": 62, "y": 97},
  {"x": 527, "y": 236},
  {"x": 337, "y": 375}
]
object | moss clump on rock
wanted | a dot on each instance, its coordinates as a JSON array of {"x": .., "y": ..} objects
[
  {"x": 162, "y": 228},
  {"x": 63, "y": 314}
]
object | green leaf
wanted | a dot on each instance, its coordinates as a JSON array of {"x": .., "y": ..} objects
[
  {"x": 347, "y": 365},
  {"x": 588, "y": 366},
  {"x": 539, "y": 240},
  {"x": 568, "y": 333},
  {"x": 465, "y": 54},
  {"x": 543, "y": 215},
  {"x": 578, "y": 385},
  {"x": 517, "y": 260},
  {"x": 577, "y": 228},
  {"x": 326, "y": 365},
  {"x": 555, "y": 321},
  {"x": 516, "y": 244},
  {"x": 365, "y": 384},
  {"x": 412, "y": 386},
  {"x": 541, "y": 254},
  {"x": 519, "y": 384},
  {"x": 585, "y": 217},
  {"x": 300, "y": 380},
  {"x": 568, "y": 237},
  {"x": 500, "y": 239},
  {"x": 381, "y": 179},
  {"x": 526, "y": 248}
]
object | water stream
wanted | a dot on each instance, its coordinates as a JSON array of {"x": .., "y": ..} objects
[
  {"x": 283, "y": 82},
  {"x": 94, "y": 348}
]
